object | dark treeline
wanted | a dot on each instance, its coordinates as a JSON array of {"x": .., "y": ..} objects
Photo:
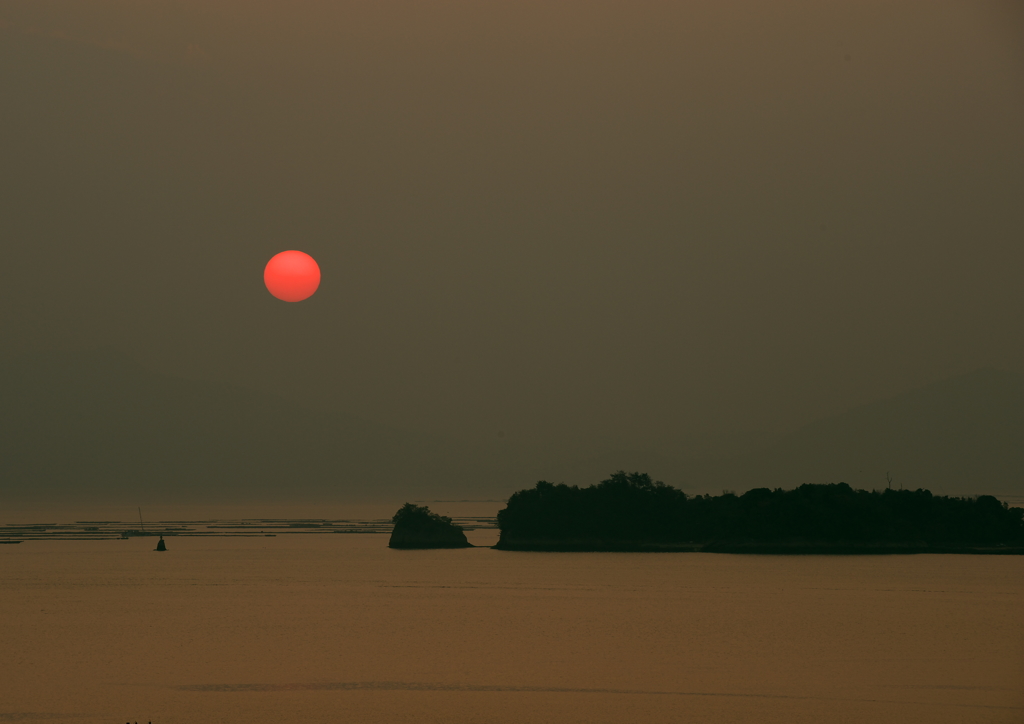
[{"x": 631, "y": 509}]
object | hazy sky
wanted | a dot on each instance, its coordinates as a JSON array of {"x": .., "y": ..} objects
[{"x": 573, "y": 221}]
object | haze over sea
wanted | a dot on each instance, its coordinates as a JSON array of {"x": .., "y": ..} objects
[{"x": 339, "y": 628}]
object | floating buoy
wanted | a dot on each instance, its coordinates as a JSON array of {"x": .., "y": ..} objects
[{"x": 160, "y": 546}]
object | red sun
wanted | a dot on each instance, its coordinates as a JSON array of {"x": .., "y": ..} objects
[{"x": 292, "y": 276}]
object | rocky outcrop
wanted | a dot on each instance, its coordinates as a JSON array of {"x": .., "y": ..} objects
[{"x": 417, "y": 527}]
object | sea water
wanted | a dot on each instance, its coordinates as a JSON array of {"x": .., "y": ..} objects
[{"x": 339, "y": 628}]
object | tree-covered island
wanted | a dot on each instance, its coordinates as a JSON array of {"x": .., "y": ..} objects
[
  {"x": 631, "y": 512},
  {"x": 417, "y": 527}
]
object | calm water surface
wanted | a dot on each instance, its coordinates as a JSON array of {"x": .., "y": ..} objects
[{"x": 338, "y": 628}]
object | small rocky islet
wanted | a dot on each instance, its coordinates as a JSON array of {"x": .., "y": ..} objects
[{"x": 418, "y": 528}]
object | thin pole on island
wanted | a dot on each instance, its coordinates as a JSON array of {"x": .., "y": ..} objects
[{"x": 140, "y": 520}]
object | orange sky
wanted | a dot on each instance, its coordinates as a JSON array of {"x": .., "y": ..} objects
[{"x": 570, "y": 222}]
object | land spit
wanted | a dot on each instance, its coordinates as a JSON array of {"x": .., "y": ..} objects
[{"x": 246, "y": 528}]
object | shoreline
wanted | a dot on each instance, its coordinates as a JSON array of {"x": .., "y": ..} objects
[{"x": 749, "y": 548}]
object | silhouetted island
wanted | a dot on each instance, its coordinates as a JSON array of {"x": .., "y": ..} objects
[
  {"x": 417, "y": 527},
  {"x": 630, "y": 512}
]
